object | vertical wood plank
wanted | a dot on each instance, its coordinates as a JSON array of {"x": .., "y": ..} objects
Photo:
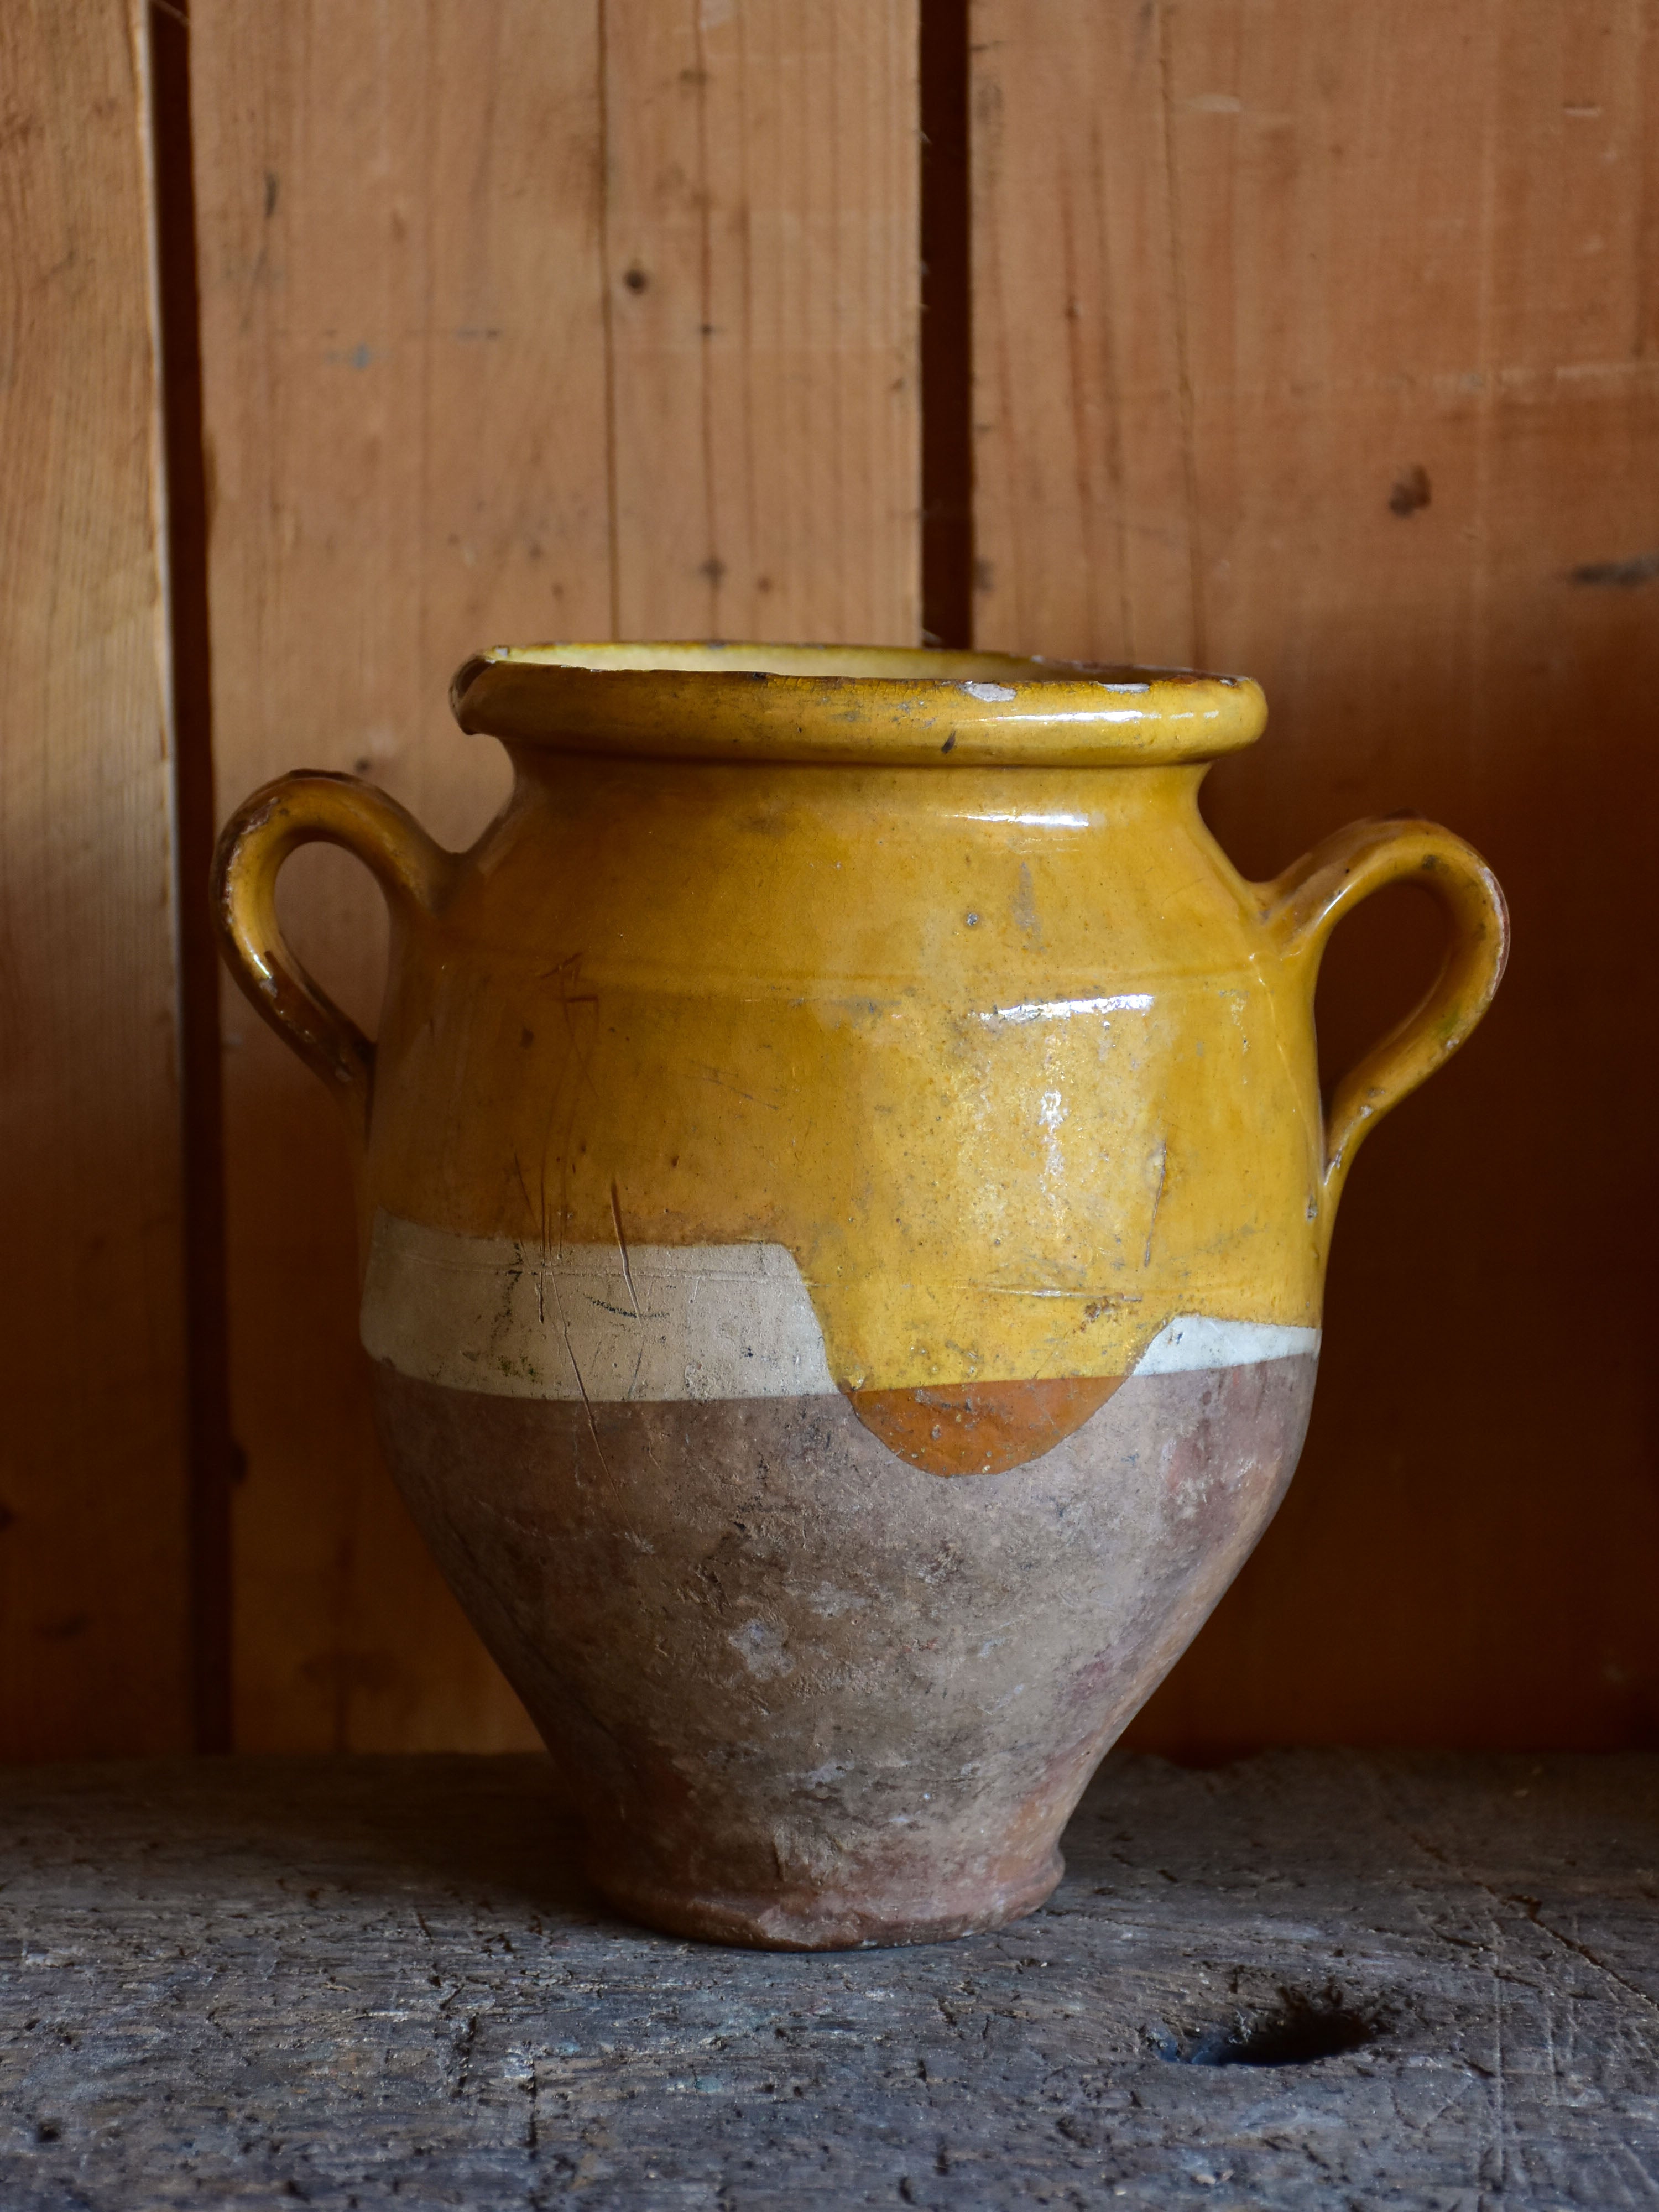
[
  {"x": 444, "y": 410},
  {"x": 1402, "y": 412},
  {"x": 398, "y": 216},
  {"x": 1081, "y": 496},
  {"x": 761, "y": 236},
  {"x": 94, "y": 1566}
]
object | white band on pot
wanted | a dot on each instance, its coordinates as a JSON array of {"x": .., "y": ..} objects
[{"x": 663, "y": 1322}]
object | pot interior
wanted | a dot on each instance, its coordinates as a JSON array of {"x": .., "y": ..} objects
[{"x": 842, "y": 663}]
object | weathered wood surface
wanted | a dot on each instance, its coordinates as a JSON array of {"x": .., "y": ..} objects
[
  {"x": 517, "y": 323},
  {"x": 403, "y": 366},
  {"x": 1319, "y": 343},
  {"x": 763, "y": 288},
  {"x": 372, "y": 1981},
  {"x": 93, "y": 1557}
]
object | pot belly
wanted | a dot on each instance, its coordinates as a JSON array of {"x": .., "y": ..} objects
[{"x": 806, "y": 1694}]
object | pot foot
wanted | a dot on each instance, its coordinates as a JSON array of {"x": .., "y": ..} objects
[{"x": 829, "y": 1920}]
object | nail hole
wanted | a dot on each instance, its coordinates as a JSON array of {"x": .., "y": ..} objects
[
  {"x": 1298, "y": 2031},
  {"x": 1412, "y": 490}
]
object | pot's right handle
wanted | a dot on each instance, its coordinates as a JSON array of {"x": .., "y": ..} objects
[
  {"x": 1305, "y": 904},
  {"x": 314, "y": 807}
]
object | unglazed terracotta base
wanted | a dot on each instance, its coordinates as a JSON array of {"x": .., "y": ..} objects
[{"x": 810, "y": 1696}]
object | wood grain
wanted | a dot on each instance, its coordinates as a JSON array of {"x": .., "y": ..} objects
[
  {"x": 1080, "y": 508},
  {"x": 404, "y": 401},
  {"x": 1366, "y": 392},
  {"x": 1403, "y": 1981},
  {"x": 94, "y": 1567},
  {"x": 761, "y": 241},
  {"x": 443, "y": 410}
]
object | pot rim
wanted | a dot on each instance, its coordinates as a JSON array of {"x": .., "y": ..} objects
[{"x": 893, "y": 706}]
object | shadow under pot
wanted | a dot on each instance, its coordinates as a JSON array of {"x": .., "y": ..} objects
[{"x": 844, "y": 1200}]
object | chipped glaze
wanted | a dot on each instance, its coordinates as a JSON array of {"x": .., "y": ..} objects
[{"x": 879, "y": 1038}]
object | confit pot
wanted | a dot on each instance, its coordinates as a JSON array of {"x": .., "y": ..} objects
[{"x": 844, "y": 1200}]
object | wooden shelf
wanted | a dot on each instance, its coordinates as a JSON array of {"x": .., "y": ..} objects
[{"x": 357, "y": 1980}]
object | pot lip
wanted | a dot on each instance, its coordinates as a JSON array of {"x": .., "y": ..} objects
[{"x": 891, "y": 706}]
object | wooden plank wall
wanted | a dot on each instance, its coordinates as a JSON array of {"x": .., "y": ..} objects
[
  {"x": 1315, "y": 340},
  {"x": 94, "y": 1613},
  {"x": 518, "y": 321},
  {"x": 1319, "y": 340}
]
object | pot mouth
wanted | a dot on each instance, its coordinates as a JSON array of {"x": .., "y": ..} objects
[{"x": 896, "y": 705}]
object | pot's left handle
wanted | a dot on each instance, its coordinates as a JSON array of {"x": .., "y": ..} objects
[
  {"x": 1304, "y": 905},
  {"x": 310, "y": 807}
]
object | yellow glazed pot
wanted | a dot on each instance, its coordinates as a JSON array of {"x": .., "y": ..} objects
[{"x": 844, "y": 1200}]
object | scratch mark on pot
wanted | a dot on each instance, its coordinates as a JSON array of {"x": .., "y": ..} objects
[
  {"x": 621, "y": 1247},
  {"x": 706, "y": 1075},
  {"x": 1025, "y": 913},
  {"x": 1051, "y": 1115},
  {"x": 517, "y": 1169},
  {"x": 587, "y": 1403},
  {"x": 1161, "y": 1156}
]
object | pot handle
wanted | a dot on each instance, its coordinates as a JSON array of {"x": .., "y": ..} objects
[
  {"x": 316, "y": 807},
  {"x": 1302, "y": 907}
]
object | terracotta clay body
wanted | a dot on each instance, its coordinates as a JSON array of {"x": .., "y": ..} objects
[{"x": 844, "y": 1197}]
